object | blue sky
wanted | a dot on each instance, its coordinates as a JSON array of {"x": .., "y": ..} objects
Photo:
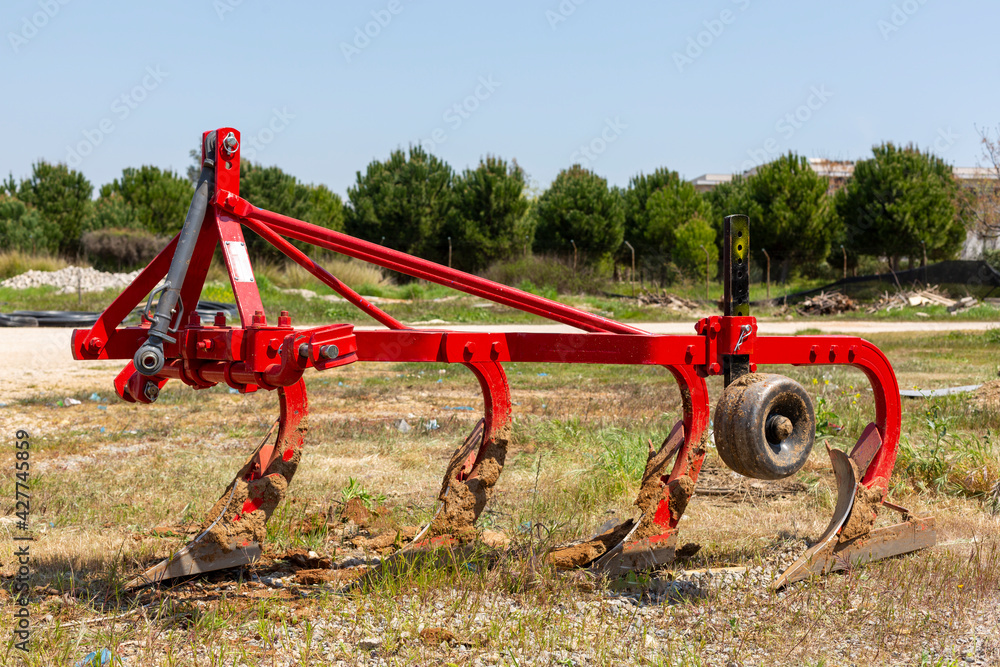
[{"x": 622, "y": 87}]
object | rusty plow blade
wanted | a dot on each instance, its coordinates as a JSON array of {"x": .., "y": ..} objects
[
  {"x": 197, "y": 557},
  {"x": 842, "y": 545},
  {"x": 236, "y": 524},
  {"x": 649, "y": 541},
  {"x": 473, "y": 469}
]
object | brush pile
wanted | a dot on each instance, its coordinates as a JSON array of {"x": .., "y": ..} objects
[
  {"x": 930, "y": 296},
  {"x": 669, "y": 301},
  {"x": 825, "y": 303}
]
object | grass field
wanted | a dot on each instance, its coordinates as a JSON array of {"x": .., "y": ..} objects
[
  {"x": 289, "y": 287},
  {"x": 422, "y": 302},
  {"x": 117, "y": 486}
]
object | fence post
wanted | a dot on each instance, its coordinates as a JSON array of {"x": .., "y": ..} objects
[
  {"x": 631, "y": 274},
  {"x": 768, "y": 280},
  {"x": 708, "y": 264},
  {"x": 924, "y": 246}
]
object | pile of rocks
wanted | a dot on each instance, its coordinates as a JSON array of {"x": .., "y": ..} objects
[{"x": 71, "y": 279}]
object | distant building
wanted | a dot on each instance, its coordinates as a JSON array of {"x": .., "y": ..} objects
[
  {"x": 974, "y": 173},
  {"x": 707, "y": 182},
  {"x": 976, "y": 242},
  {"x": 837, "y": 171}
]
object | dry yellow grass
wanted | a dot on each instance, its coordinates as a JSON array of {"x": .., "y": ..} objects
[
  {"x": 15, "y": 262},
  {"x": 289, "y": 275},
  {"x": 578, "y": 439}
]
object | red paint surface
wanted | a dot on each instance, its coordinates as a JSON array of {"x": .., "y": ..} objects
[{"x": 252, "y": 505}]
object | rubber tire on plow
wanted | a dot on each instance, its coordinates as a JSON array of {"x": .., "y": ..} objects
[{"x": 765, "y": 426}]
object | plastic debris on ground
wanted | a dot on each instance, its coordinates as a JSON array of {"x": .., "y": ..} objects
[
  {"x": 432, "y": 425},
  {"x": 930, "y": 393},
  {"x": 99, "y": 659},
  {"x": 403, "y": 427},
  {"x": 68, "y": 402}
]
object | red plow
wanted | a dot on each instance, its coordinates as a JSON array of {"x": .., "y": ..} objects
[{"x": 764, "y": 423}]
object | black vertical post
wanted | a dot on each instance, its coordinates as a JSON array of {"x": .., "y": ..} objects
[{"x": 736, "y": 285}]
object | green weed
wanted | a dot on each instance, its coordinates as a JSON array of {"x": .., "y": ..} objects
[{"x": 355, "y": 489}]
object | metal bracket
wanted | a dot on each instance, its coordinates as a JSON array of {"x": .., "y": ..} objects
[
  {"x": 148, "y": 314},
  {"x": 736, "y": 286}
]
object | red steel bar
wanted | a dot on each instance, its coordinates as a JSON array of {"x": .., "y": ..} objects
[
  {"x": 422, "y": 268},
  {"x": 323, "y": 275},
  {"x": 849, "y": 351}
]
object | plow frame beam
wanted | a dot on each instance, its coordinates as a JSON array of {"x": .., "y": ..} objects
[{"x": 256, "y": 355}]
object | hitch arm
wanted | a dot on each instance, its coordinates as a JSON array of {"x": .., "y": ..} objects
[{"x": 149, "y": 358}]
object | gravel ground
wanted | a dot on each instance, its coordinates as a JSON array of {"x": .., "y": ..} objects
[
  {"x": 681, "y": 619},
  {"x": 70, "y": 279}
]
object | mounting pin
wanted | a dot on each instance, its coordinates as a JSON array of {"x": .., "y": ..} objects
[{"x": 230, "y": 144}]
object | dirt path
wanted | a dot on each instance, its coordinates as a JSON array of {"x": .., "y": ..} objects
[{"x": 33, "y": 359}]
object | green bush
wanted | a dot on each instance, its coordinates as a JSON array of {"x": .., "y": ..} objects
[
  {"x": 61, "y": 198},
  {"x": 691, "y": 240},
  {"x": 121, "y": 249},
  {"x": 544, "y": 273},
  {"x": 157, "y": 199},
  {"x": 902, "y": 202},
  {"x": 579, "y": 208},
  {"x": 23, "y": 228}
]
